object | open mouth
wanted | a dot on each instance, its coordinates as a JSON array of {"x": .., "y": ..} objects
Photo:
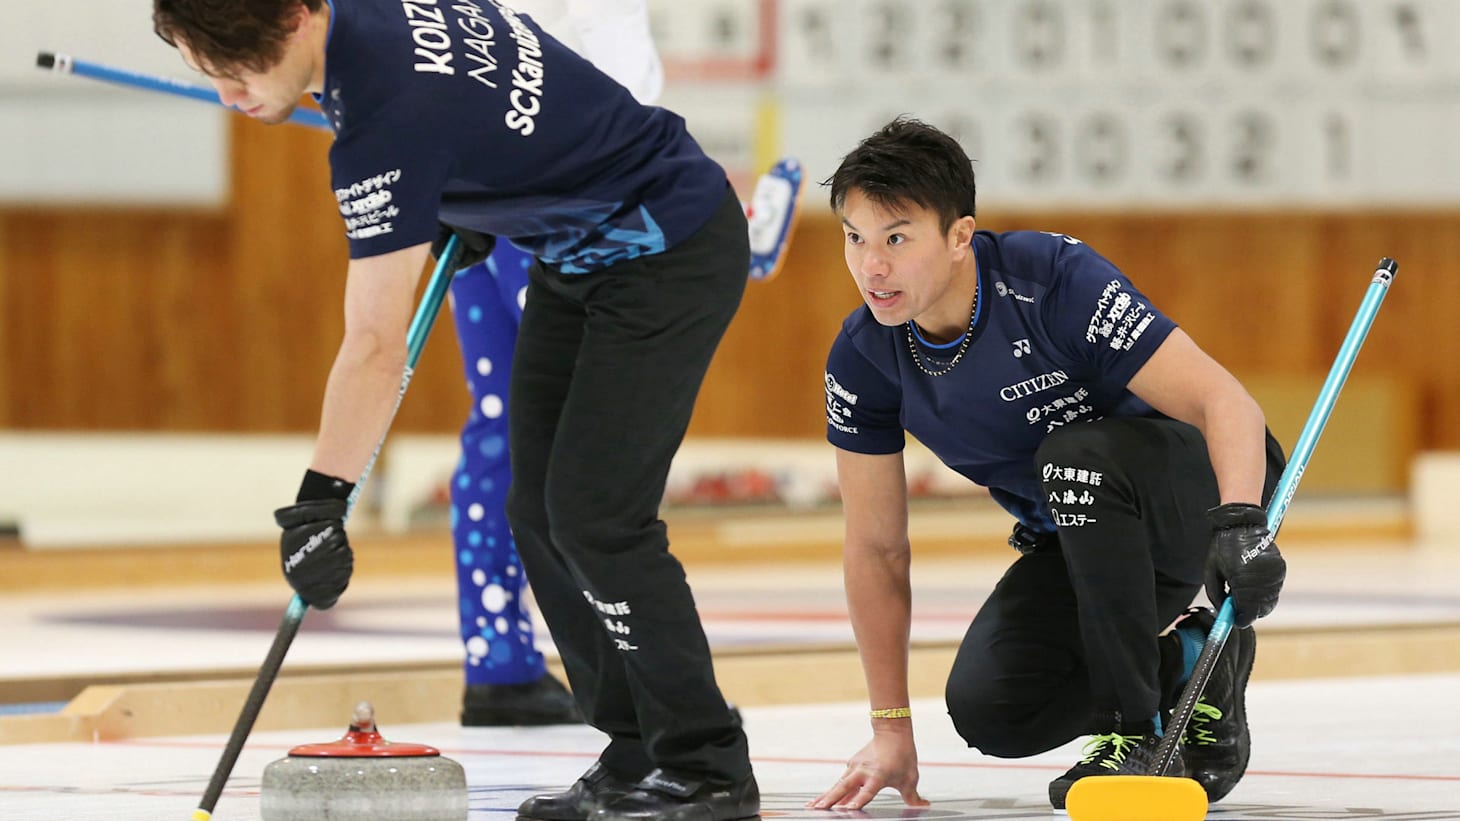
[{"x": 883, "y": 298}]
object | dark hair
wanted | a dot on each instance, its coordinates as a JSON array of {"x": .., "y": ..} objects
[
  {"x": 230, "y": 34},
  {"x": 908, "y": 161}
]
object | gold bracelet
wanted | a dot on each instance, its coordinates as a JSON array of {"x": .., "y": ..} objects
[{"x": 892, "y": 712}]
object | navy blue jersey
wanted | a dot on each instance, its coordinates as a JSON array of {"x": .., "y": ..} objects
[
  {"x": 465, "y": 112},
  {"x": 1059, "y": 333}
]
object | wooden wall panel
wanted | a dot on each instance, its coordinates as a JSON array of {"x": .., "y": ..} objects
[
  {"x": 228, "y": 320},
  {"x": 8, "y": 352}
]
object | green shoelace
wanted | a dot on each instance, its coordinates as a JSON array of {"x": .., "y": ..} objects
[
  {"x": 1119, "y": 745},
  {"x": 1199, "y": 731}
]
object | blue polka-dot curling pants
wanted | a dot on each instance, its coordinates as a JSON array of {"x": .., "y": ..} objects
[{"x": 495, "y": 626}]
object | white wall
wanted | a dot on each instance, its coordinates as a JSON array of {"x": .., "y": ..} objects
[{"x": 73, "y": 140}]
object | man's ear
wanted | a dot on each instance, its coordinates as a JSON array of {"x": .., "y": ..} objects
[
  {"x": 960, "y": 234},
  {"x": 299, "y": 23}
]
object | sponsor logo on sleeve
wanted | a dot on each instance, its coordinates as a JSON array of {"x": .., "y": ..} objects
[
  {"x": 839, "y": 415},
  {"x": 1118, "y": 318},
  {"x": 366, "y": 205}
]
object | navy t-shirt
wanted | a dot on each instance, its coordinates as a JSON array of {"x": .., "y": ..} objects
[
  {"x": 468, "y": 113},
  {"x": 1059, "y": 333}
]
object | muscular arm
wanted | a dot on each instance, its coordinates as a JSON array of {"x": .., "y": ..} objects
[
  {"x": 875, "y": 561},
  {"x": 360, "y": 397},
  {"x": 1181, "y": 381}
]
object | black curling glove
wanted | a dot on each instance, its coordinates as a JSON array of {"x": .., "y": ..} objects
[
  {"x": 313, "y": 549},
  {"x": 1244, "y": 562},
  {"x": 472, "y": 247}
]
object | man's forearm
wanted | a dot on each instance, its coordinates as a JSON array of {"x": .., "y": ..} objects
[
  {"x": 359, "y": 402},
  {"x": 879, "y": 599},
  {"x": 1235, "y": 434}
]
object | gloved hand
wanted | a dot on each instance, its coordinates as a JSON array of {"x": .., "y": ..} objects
[
  {"x": 1244, "y": 560},
  {"x": 314, "y": 550},
  {"x": 472, "y": 247}
]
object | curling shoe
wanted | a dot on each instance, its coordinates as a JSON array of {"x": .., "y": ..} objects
[
  {"x": 665, "y": 797},
  {"x": 536, "y": 703},
  {"x": 578, "y": 802},
  {"x": 1110, "y": 754},
  {"x": 1217, "y": 740}
]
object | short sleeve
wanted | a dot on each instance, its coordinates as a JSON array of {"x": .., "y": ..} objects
[
  {"x": 863, "y": 407},
  {"x": 388, "y": 186},
  {"x": 1097, "y": 318}
]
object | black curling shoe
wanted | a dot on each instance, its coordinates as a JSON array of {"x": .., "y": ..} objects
[
  {"x": 1217, "y": 741},
  {"x": 578, "y": 802},
  {"x": 1110, "y": 754},
  {"x": 536, "y": 703},
  {"x": 665, "y": 797}
]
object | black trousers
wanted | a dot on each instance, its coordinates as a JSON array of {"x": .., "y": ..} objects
[
  {"x": 604, "y": 378},
  {"x": 1066, "y": 645}
]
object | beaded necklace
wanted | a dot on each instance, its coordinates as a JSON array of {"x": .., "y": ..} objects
[{"x": 912, "y": 344}]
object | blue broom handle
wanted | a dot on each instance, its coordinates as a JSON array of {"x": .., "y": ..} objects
[
  {"x": 1318, "y": 418},
  {"x": 66, "y": 64}
]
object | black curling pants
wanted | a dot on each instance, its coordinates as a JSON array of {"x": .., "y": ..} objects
[
  {"x": 605, "y": 375},
  {"x": 1066, "y": 645}
]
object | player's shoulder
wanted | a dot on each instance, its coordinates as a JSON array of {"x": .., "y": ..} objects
[
  {"x": 861, "y": 329},
  {"x": 863, "y": 358},
  {"x": 1043, "y": 257},
  {"x": 858, "y": 320},
  {"x": 1025, "y": 250},
  {"x": 362, "y": 79},
  {"x": 865, "y": 345}
]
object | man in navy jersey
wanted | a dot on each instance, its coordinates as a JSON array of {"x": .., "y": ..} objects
[
  {"x": 506, "y": 680},
  {"x": 1133, "y": 464},
  {"x": 468, "y": 114}
]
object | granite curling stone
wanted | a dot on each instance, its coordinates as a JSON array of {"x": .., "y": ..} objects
[{"x": 363, "y": 777}]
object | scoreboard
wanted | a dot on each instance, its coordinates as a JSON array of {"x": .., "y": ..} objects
[
  {"x": 1089, "y": 104},
  {"x": 1108, "y": 103}
]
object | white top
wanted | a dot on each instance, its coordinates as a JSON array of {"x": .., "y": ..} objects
[{"x": 612, "y": 34}]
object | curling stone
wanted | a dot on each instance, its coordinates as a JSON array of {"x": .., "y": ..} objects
[{"x": 363, "y": 777}]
